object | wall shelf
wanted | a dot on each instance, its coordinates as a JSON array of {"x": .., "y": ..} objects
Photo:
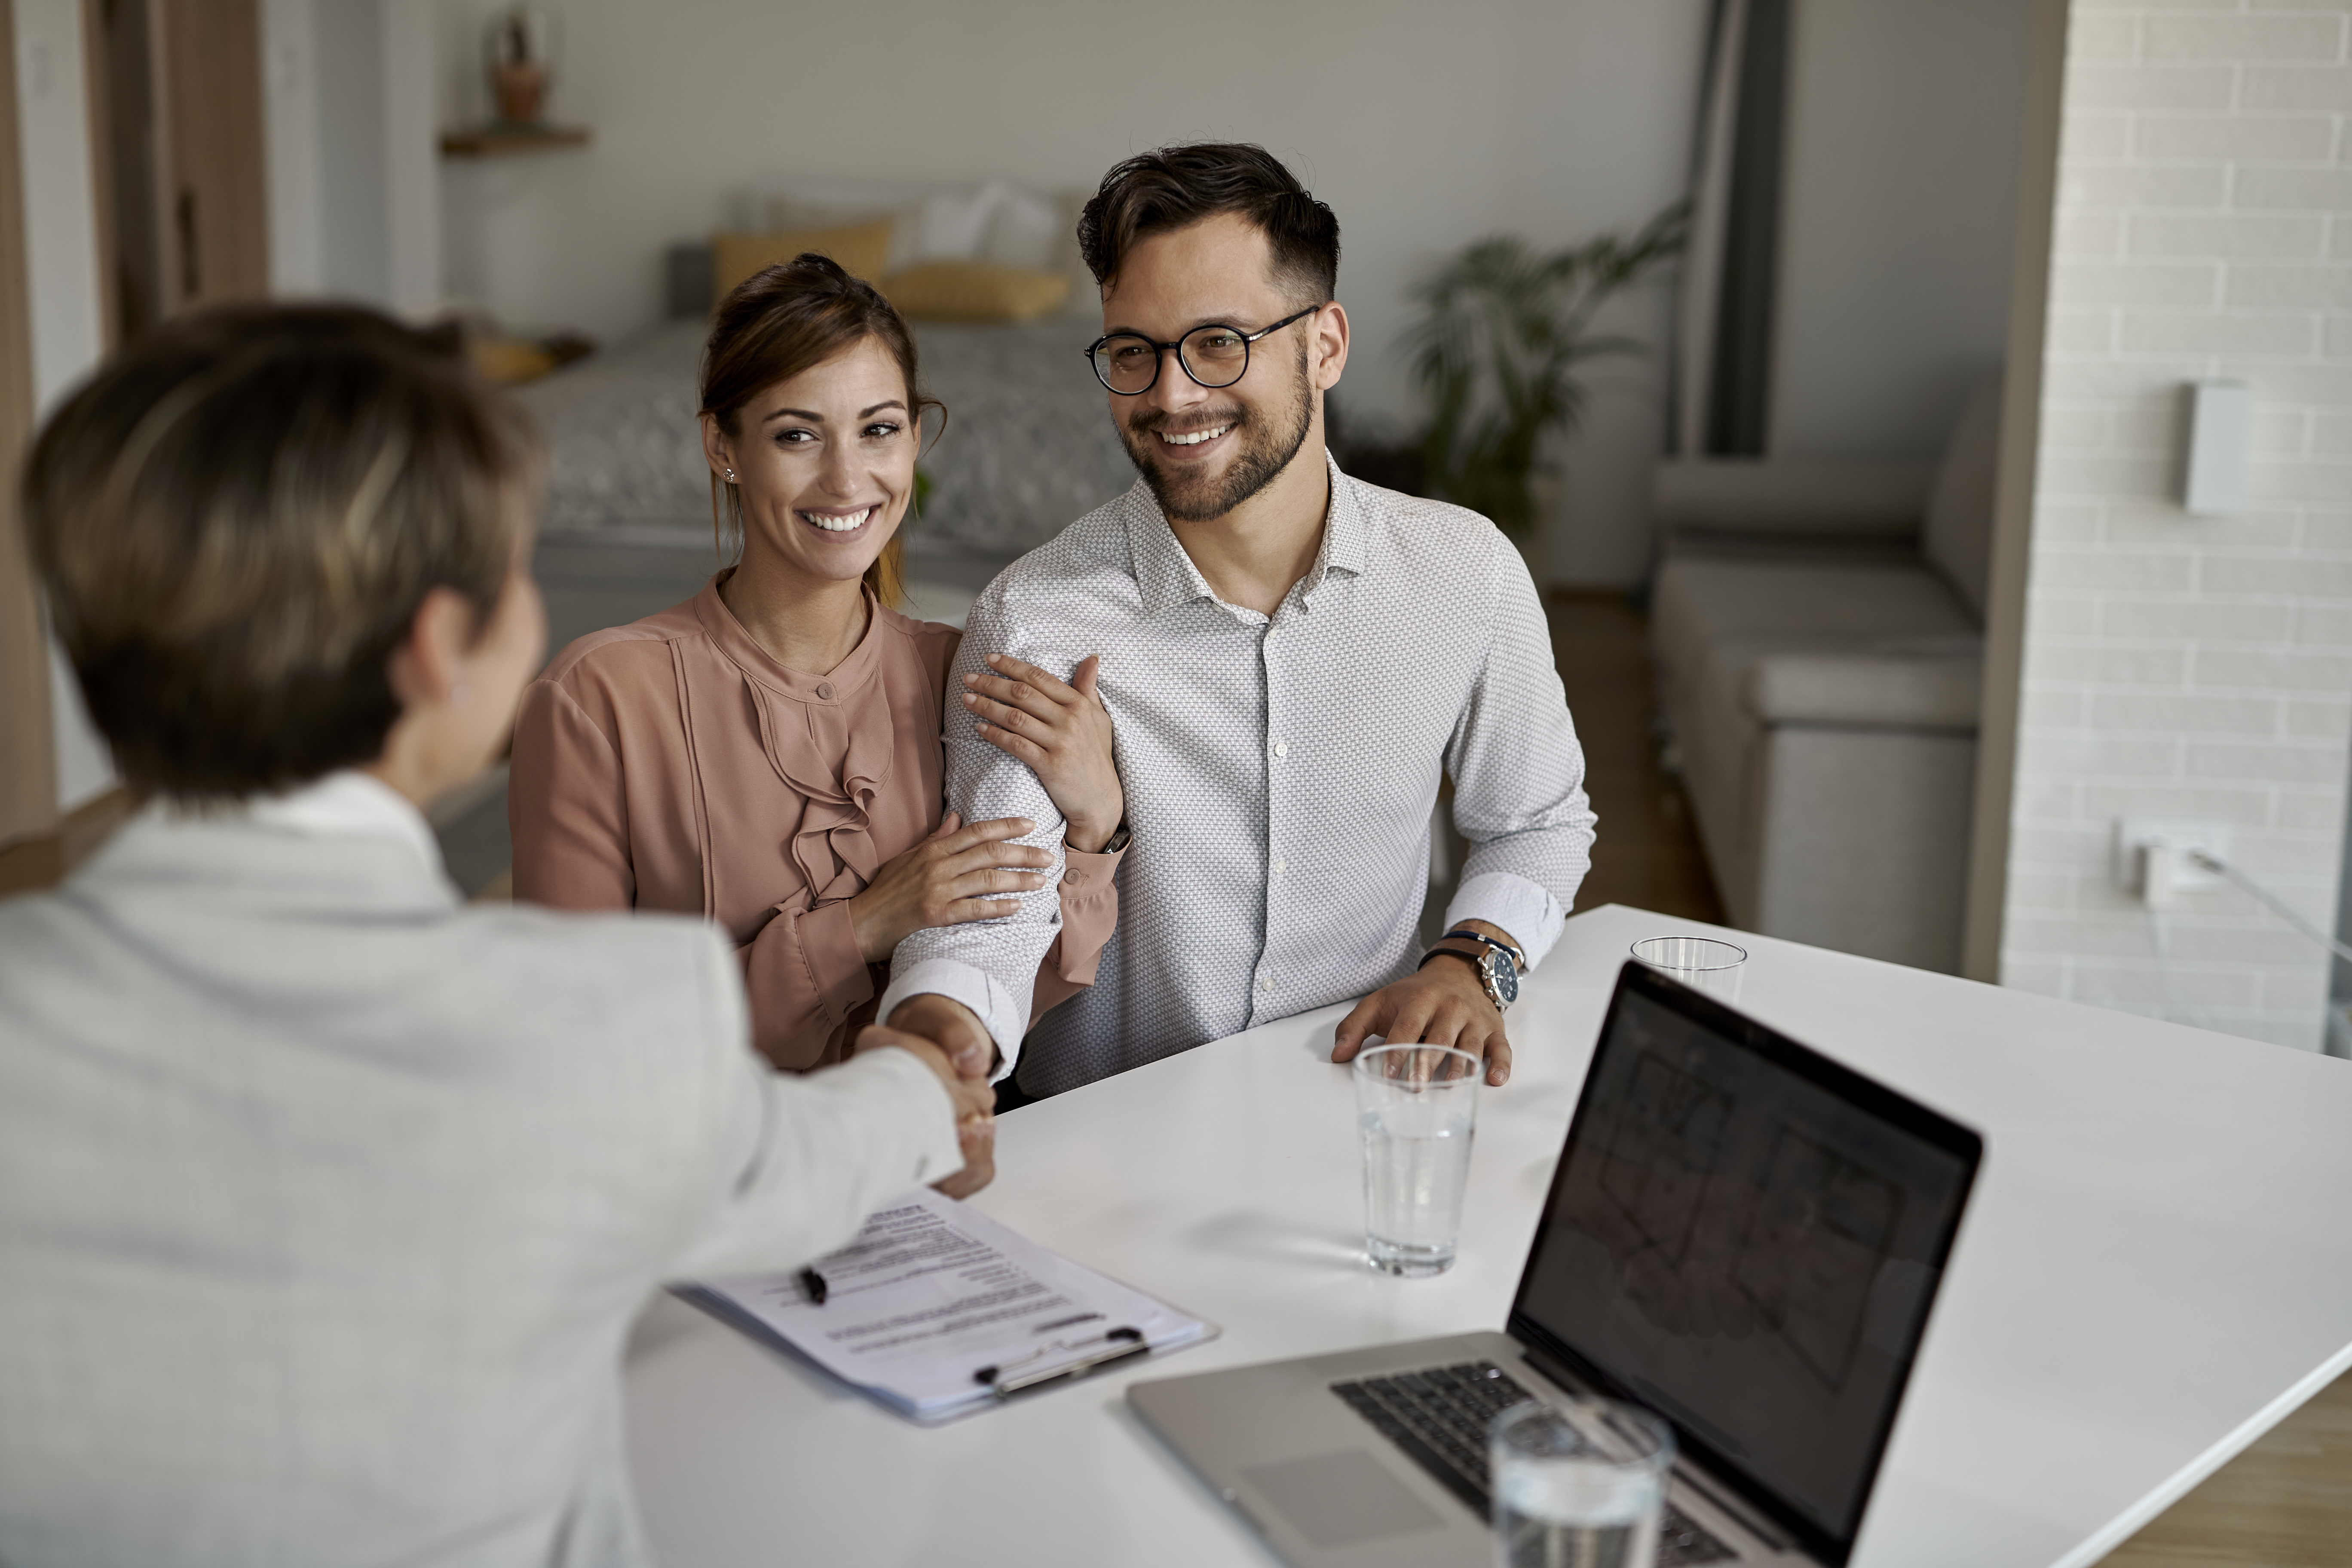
[{"x": 500, "y": 140}]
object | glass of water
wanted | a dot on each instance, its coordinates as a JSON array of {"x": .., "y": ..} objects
[
  {"x": 1700, "y": 962},
  {"x": 1417, "y": 1106},
  {"x": 1579, "y": 1485}
]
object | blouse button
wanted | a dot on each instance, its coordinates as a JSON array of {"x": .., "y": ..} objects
[{"x": 824, "y": 689}]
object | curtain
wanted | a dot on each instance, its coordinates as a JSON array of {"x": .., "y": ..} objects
[{"x": 1729, "y": 282}]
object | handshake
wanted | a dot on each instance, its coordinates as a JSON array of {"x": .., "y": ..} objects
[{"x": 946, "y": 1038}]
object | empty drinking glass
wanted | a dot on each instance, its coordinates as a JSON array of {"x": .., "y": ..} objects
[
  {"x": 1700, "y": 962},
  {"x": 1418, "y": 1107},
  {"x": 1579, "y": 1485}
]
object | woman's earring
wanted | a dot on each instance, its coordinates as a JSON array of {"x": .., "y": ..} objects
[{"x": 731, "y": 475}]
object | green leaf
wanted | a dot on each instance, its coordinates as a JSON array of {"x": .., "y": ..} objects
[{"x": 1493, "y": 351}]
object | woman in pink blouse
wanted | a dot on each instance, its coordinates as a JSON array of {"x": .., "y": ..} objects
[{"x": 767, "y": 754}]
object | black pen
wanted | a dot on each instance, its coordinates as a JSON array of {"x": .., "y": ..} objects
[{"x": 813, "y": 1283}]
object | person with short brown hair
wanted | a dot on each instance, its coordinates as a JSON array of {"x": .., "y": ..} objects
[
  {"x": 227, "y": 641},
  {"x": 767, "y": 754},
  {"x": 327, "y": 1199}
]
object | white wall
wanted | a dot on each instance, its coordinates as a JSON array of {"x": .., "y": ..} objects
[
  {"x": 408, "y": 40},
  {"x": 290, "y": 150},
  {"x": 2177, "y": 666},
  {"x": 1423, "y": 128},
  {"x": 1900, "y": 203},
  {"x": 62, "y": 288},
  {"x": 353, "y": 150}
]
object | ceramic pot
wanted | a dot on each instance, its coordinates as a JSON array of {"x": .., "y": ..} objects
[{"x": 521, "y": 92}]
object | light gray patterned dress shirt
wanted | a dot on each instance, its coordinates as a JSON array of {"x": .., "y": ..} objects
[{"x": 1280, "y": 773}]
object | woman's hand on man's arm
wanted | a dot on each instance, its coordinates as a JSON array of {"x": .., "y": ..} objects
[
  {"x": 946, "y": 880},
  {"x": 1062, "y": 732}
]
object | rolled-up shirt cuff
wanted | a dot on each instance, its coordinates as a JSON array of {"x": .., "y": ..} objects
[
  {"x": 1004, "y": 1015},
  {"x": 1522, "y": 907}
]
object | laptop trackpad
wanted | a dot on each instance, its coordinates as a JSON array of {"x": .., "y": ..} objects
[{"x": 1339, "y": 1499}]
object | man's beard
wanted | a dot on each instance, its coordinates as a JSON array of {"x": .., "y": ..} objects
[{"x": 1264, "y": 451}]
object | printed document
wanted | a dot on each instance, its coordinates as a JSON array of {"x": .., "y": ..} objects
[{"x": 935, "y": 1308}]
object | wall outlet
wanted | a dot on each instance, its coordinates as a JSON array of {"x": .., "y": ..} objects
[{"x": 2135, "y": 835}]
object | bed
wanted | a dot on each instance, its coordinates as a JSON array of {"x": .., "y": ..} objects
[{"x": 1028, "y": 447}]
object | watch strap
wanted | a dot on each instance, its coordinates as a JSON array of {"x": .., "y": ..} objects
[
  {"x": 1517, "y": 957},
  {"x": 1476, "y": 960}
]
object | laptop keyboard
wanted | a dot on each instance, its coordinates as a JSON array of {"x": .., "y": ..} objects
[{"x": 1439, "y": 1417}]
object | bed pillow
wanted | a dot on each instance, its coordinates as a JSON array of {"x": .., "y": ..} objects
[
  {"x": 508, "y": 361},
  {"x": 862, "y": 249},
  {"x": 993, "y": 221},
  {"x": 975, "y": 292}
]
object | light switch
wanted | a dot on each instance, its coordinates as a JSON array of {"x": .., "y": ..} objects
[{"x": 2213, "y": 473}]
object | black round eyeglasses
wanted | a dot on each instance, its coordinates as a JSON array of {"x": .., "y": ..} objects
[{"x": 1215, "y": 356}]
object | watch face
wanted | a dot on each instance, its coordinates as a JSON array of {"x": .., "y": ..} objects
[{"x": 1502, "y": 975}]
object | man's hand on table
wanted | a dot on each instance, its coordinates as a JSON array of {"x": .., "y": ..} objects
[
  {"x": 1442, "y": 1003},
  {"x": 953, "y": 1033}
]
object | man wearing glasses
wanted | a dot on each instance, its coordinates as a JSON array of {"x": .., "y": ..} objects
[{"x": 1291, "y": 659}]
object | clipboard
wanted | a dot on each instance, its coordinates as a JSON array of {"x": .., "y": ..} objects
[
  {"x": 1019, "y": 1376},
  {"x": 936, "y": 1312}
]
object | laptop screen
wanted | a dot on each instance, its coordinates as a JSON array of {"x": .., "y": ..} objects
[{"x": 1746, "y": 1238}]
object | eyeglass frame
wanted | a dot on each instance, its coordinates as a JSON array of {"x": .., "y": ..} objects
[{"x": 1160, "y": 354}]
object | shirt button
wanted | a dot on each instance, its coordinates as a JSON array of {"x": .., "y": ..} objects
[
  {"x": 1265, "y": 982},
  {"x": 1282, "y": 748},
  {"x": 824, "y": 689}
]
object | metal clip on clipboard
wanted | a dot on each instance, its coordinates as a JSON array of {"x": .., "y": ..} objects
[{"x": 1008, "y": 1379}]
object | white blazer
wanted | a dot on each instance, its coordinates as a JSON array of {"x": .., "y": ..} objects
[{"x": 327, "y": 1201}]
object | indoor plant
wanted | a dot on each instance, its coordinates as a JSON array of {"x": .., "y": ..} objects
[{"x": 1504, "y": 333}]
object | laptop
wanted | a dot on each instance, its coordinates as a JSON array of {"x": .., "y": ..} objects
[{"x": 1741, "y": 1236}]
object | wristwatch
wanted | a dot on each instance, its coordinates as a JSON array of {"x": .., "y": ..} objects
[
  {"x": 1120, "y": 837},
  {"x": 1500, "y": 945},
  {"x": 1496, "y": 961}
]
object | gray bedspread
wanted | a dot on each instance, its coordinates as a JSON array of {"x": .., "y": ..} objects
[{"x": 1029, "y": 447}]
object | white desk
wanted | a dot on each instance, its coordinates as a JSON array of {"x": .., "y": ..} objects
[{"x": 2157, "y": 1266}]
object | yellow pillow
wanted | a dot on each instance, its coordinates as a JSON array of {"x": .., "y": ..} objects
[
  {"x": 509, "y": 361},
  {"x": 975, "y": 292},
  {"x": 862, "y": 249}
]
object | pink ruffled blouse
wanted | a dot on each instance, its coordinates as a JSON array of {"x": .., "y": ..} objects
[{"x": 672, "y": 765}]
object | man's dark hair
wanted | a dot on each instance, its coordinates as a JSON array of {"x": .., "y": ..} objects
[{"x": 1172, "y": 187}]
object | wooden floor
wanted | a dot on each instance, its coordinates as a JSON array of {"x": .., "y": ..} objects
[
  {"x": 33, "y": 861},
  {"x": 1646, "y": 852},
  {"x": 2285, "y": 1503}
]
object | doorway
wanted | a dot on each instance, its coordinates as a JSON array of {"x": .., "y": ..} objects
[{"x": 176, "y": 89}]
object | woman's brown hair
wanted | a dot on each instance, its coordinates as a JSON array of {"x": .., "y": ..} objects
[
  {"x": 236, "y": 520},
  {"x": 782, "y": 320}
]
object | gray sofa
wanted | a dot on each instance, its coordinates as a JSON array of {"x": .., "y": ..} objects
[{"x": 1817, "y": 634}]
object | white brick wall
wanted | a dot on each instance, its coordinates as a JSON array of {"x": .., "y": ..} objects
[{"x": 2181, "y": 666}]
